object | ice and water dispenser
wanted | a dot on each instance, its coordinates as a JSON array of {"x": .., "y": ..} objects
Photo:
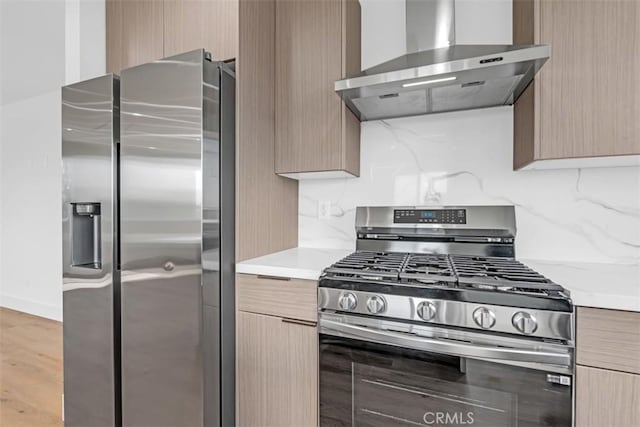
[{"x": 86, "y": 236}]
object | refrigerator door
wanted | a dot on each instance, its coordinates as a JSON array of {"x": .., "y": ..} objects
[
  {"x": 90, "y": 131},
  {"x": 161, "y": 239},
  {"x": 218, "y": 244}
]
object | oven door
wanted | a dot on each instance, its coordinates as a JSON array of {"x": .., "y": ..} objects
[{"x": 381, "y": 373}]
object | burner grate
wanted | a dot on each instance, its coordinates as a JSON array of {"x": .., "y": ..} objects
[
  {"x": 370, "y": 265},
  {"x": 428, "y": 268},
  {"x": 501, "y": 274},
  {"x": 461, "y": 271}
]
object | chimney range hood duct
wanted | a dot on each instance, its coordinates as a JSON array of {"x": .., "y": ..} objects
[{"x": 436, "y": 75}]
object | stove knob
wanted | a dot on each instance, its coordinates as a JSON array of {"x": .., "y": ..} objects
[
  {"x": 376, "y": 305},
  {"x": 348, "y": 301},
  {"x": 524, "y": 322},
  {"x": 426, "y": 310},
  {"x": 484, "y": 317}
]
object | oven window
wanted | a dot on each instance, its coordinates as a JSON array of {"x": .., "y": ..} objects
[{"x": 365, "y": 384}]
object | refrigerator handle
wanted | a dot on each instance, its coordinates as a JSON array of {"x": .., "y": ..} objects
[{"x": 86, "y": 235}]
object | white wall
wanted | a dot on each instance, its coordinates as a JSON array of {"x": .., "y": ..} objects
[
  {"x": 1, "y": 127},
  {"x": 43, "y": 45},
  {"x": 466, "y": 158}
]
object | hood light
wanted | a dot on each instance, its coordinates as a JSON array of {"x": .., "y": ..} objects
[{"x": 427, "y": 82}]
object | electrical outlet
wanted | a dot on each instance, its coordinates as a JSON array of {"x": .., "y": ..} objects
[{"x": 324, "y": 209}]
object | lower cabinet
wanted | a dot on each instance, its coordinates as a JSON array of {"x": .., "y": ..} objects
[
  {"x": 277, "y": 365},
  {"x": 608, "y": 368},
  {"x": 276, "y": 352},
  {"x": 607, "y": 398}
]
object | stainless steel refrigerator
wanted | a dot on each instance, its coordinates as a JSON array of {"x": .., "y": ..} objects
[{"x": 148, "y": 233}]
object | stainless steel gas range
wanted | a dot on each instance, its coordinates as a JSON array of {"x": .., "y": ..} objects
[{"x": 432, "y": 321}]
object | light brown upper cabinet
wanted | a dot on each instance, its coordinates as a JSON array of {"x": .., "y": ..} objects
[
  {"x": 585, "y": 101},
  {"x": 267, "y": 204},
  {"x": 133, "y": 32},
  {"x": 208, "y": 24},
  {"x": 317, "y": 43},
  {"x": 139, "y": 31}
]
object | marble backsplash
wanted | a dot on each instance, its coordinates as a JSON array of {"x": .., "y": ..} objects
[{"x": 588, "y": 215}]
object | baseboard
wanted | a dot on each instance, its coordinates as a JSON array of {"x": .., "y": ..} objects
[{"x": 36, "y": 308}]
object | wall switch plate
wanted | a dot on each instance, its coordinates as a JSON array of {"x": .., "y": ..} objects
[{"x": 324, "y": 209}]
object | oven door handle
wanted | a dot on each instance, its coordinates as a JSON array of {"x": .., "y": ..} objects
[{"x": 443, "y": 346}]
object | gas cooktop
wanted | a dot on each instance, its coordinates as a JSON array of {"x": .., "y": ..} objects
[
  {"x": 456, "y": 271},
  {"x": 451, "y": 266}
]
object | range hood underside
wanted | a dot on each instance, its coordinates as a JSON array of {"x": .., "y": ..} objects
[{"x": 470, "y": 76}]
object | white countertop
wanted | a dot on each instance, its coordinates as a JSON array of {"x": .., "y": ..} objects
[
  {"x": 296, "y": 263},
  {"x": 613, "y": 286}
]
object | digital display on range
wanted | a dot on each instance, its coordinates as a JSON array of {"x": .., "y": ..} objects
[{"x": 430, "y": 216}]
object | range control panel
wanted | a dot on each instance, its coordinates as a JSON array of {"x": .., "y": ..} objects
[{"x": 430, "y": 216}]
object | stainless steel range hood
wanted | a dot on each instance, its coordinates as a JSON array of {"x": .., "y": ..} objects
[{"x": 436, "y": 75}]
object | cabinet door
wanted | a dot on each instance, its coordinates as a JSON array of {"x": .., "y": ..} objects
[
  {"x": 133, "y": 32},
  {"x": 606, "y": 398},
  {"x": 277, "y": 372},
  {"x": 278, "y": 296},
  {"x": 308, "y": 62},
  {"x": 195, "y": 24},
  {"x": 589, "y": 89},
  {"x": 608, "y": 339}
]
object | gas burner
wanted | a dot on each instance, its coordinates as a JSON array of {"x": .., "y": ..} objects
[
  {"x": 501, "y": 274},
  {"x": 369, "y": 265},
  {"x": 428, "y": 269}
]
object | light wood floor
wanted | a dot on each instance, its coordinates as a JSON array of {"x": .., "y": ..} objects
[{"x": 30, "y": 370}]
